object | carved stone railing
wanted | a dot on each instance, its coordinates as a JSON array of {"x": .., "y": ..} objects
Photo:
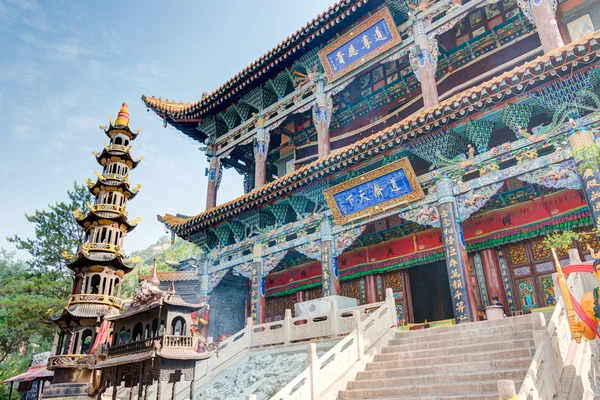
[
  {"x": 553, "y": 357},
  {"x": 325, "y": 370},
  {"x": 95, "y": 299},
  {"x": 178, "y": 341},
  {"x": 134, "y": 347},
  {"x": 67, "y": 361}
]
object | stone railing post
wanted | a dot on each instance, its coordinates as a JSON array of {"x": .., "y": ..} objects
[
  {"x": 333, "y": 318},
  {"x": 249, "y": 331},
  {"x": 391, "y": 303},
  {"x": 287, "y": 326},
  {"x": 250, "y": 397},
  {"x": 506, "y": 390},
  {"x": 360, "y": 345},
  {"x": 313, "y": 371}
]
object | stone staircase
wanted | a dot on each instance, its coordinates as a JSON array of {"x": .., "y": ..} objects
[{"x": 453, "y": 362}]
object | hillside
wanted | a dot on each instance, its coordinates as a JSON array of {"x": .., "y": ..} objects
[{"x": 165, "y": 254}]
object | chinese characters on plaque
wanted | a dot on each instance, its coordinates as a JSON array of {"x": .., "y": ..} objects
[
  {"x": 374, "y": 36},
  {"x": 375, "y": 191}
]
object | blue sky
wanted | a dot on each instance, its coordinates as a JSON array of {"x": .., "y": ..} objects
[{"x": 67, "y": 66}]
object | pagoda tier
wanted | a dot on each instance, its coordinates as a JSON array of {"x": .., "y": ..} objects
[{"x": 99, "y": 265}]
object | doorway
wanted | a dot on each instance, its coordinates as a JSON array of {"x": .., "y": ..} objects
[{"x": 430, "y": 292}]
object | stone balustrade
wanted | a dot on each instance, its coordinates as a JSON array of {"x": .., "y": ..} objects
[{"x": 68, "y": 361}]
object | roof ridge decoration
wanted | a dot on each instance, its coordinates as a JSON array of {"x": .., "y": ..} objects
[
  {"x": 326, "y": 165},
  {"x": 317, "y": 26}
]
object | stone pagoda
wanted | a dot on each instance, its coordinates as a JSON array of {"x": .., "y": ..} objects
[{"x": 99, "y": 268}]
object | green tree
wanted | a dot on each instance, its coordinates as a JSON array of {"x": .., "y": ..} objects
[
  {"x": 27, "y": 299},
  {"x": 55, "y": 232}
]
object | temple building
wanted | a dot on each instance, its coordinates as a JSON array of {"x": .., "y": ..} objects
[
  {"x": 99, "y": 268},
  {"x": 417, "y": 146}
]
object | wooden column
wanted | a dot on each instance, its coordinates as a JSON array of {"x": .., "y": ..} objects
[
  {"x": 493, "y": 277},
  {"x": 257, "y": 288},
  {"x": 299, "y": 296},
  {"x": 261, "y": 148},
  {"x": 214, "y": 179},
  {"x": 544, "y": 18},
  {"x": 204, "y": 289},
  {"x": 423, "y": 59},
  {"x": 457, "y": 261},
  {"x": 329, "y": 269},
  {"x": 322, "y": 110},
  {"x": 371, "y": 289}
]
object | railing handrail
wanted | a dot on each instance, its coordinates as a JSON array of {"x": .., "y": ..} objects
[
  {"x": 133, "y": 347},
  {"x": 100, "y": 298}
]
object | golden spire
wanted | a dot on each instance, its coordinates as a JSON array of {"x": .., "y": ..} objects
[{"x": 123, "y": 116}]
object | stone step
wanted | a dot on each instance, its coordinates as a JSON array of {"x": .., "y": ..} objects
[
  {"x": 487, "y": 365},
  {"x": 460, "y": 396},
  {"x": 515, "y": 374},
  {"x": 458, "y": 358},
  {"x": 432, "y": 388},
  {"x": 437, "y": 334},
  {"x": 520, "y": 331},
  {"x": 478, "y": 347},
  {"x": 535, "y": 318}
]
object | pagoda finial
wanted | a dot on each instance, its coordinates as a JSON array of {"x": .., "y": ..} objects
[
  {"x": 123, "y": 116},
  {"x": 154, "y": 279}
]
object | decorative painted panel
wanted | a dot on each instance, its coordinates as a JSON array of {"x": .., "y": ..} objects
[
  {"x": 527, "y": 293},
  {"x": 376, "y": 191},
  {"x": 547, "y": 284},
  {"x": 374, "y": 36},
  {"x": 481, "y": 279},
  {"x": 521, "y": 271},
  {"x": 545, "y": 267},
  {"x": 506, "y": 281},
  {"x": 517, "y": 253}
]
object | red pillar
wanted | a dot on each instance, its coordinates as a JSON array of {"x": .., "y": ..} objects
[
  {"x": 493, "y": 278},
  {"x": 299, "y": 296},
  {"x": 371, "y": 289},
  {"x": 214, "y": 172}
]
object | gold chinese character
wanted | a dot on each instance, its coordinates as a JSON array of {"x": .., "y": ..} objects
[
  {"x": 349, "y": 200},
  {"x": 456, "y": 284},
  {"x": 362, "y": 196},
  {"x": 588, "y": 173},
  {"x": 448, "y": 231},
  {"x": 454, "y": 274},
  {"x": 340, "y": 57},
  {"x": 446, "y": 222},
  {"x": 460, "y": 306},
  {"x": 457, "y": 295},
  {"x": 352, "y": 51},
  {"x": 378, "y": 36},
  {"x": 366, "y": 42},
  {"x": 591, "y": 184},
  {"x": 449, "y": 240},
  {"x": 444, "y": 213},
  {"x": 395, "y": 187},
  {"x": 377, "y": 191},
  {"x": 595, "y": 196},
  {"x": 451, "y": 252},
  {"x": 453, "y": 263},
  {"x": 597, "y": 206}
]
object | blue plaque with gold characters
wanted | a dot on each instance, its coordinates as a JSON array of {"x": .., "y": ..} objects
[
  {"x": 369, "y": 39},
  {"x": 374, "y": 192}
]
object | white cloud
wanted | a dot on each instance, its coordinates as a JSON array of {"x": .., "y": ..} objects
[
  {"x": 29, "y": 73},
  {"x": 23, "y": 132}
]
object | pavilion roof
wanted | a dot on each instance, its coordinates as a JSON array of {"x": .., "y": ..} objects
[
  {"x": 174, "y": 276},
  {"x": 457, "y": 107},
  {"x": 341, "y": 10}
]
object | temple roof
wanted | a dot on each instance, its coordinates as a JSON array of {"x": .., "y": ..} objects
[
  {"x": 342, "y": 10},
  {"x": 174, "y": 276},
  {"x": 457, "y": 107}
]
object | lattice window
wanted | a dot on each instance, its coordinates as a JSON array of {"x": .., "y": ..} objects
[
  {"x": 548, "y": 290},
  {"x": 289, "y": 301},
  {"x": 354, "y": 289},
  {"x": 393, "y": 280},
  {"x": 270, "y": 306},
  {"x": 517, "y": 254},
  {"x": 538, "y": 250},
  {"x": 278, "y": 306},
  {"x": 314, "y": 293},
  {"x": 591, "y": 240}
]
